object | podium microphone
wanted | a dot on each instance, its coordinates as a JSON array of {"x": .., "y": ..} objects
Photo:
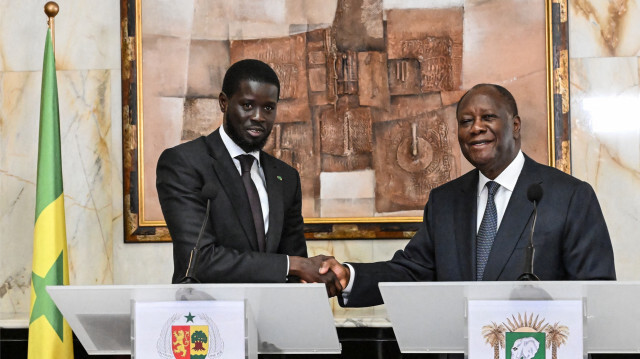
[
  {"x": 209, "y": 191},
  {"x": 534, "y": 194}
]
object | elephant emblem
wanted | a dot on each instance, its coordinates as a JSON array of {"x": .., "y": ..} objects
[{"x": 524, "y": 348}]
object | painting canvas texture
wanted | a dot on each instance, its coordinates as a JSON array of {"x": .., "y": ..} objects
[{"x": 368, "y": 88}]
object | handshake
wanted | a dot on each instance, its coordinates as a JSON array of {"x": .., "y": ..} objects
[{"x": 321, "y": 269}]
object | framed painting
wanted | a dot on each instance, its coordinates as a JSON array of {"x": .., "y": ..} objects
[{"x": 368, "y": 95}]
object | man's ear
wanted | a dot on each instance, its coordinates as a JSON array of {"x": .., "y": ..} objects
[
  {"x": 516, "y": 127},
  {"x": 223, "y": 101}
]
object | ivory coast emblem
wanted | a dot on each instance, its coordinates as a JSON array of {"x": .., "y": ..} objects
[
  {"x": 525, "y": 337},
  {"x": 191, "y": 336}
]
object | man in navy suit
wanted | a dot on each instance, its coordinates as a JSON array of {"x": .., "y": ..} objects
[
  {"x": 255, "y": 228},
  {"x": 477, "y": 226}
]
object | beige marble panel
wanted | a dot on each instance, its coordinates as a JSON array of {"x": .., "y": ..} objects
[
  {"x": 23, "y": 28},
  {"x": 384, "y": 249},
  {"x": 86, "y": 44},
  {"x": 85, "y": 126},
  {"x": 18, "y": 155},
  {"x": 605, "y": 147},
  {"x": 349, "y": 251},
  {"x": 600, "y": 28}
]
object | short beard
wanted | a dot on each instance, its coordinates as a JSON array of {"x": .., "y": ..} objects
[{"x": 242, "y": 143}]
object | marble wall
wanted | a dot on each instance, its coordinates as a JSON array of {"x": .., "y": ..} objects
[
  {"x": 604, "y": 52},
  {"x": 605, "y": 62},
  {"x": 88, "y": 69}
]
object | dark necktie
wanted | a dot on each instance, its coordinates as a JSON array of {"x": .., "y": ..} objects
[
  {"x": 487, "y": 231},
  {"x": 246, "y": 161}
]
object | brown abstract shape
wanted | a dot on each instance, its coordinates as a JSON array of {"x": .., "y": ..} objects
[
  {"x": 293, "y": 143},
  {"x": 411, "y": 157},
  {"x": 372, "y": 79},
  {"x": 347, "y": 73},
  {"x": 358, "y": 25},
  {"x": 433, "y": 37},
  {"x": 287, "y": 56},
  {"x": 404, "y": 77},
  {"x": 321, "y": 67},
  {"x": 346, "y": 131},
  {"x": 200, "y": 117}
]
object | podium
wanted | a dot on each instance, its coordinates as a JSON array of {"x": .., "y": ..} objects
[
  {"x": 430, "y": 317},
  {"x": 281, "y": 318}
]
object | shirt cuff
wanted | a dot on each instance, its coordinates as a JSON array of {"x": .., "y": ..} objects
[
  {"x": 287, "y": 273},
  {"x": 347, "y": 290}
]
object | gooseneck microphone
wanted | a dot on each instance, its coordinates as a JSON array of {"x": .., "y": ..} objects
[
  {"x": 534, "y": 194},
  {"x": 209, "y": 191}
]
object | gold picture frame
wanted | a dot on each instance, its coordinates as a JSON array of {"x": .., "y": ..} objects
[{"x": 140, "y": 227}]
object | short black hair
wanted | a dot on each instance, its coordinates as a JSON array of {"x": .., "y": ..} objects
[
  {"x": 506, "y": 95},
  {"x": 249, "y": 69}
]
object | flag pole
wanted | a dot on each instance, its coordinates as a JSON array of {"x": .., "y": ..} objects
[{"x": 51, "y": 9}]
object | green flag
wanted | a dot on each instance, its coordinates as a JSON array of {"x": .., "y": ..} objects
[{"x": 49, "y": 334}]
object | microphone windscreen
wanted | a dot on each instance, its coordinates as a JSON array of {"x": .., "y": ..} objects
[
  {"x": 534, "y": 193},
  {"x": 209, "y": 190}
]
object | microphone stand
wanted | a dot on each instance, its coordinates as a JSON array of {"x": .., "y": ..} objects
[
  {"x": 190, "y": 277},
  {"x": 528, "y": 261}
]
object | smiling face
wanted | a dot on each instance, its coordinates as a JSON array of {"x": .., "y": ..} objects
[
  {"x": 488, "y": 133},
  {"x": 250, "y": 113}
]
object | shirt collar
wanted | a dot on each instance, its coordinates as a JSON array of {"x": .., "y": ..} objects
[
  {"x": 235, "y": 150},
  {"x": 508, "y": 177}
]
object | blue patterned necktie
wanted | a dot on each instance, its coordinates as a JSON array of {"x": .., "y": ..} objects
[{"x": 488, "y": 230}]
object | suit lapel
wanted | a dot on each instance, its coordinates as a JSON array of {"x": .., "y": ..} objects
[
  {"x": 274, "y": 193},
  {"x": 465, "y": 208},
  {"x": 231, "y": 181},
  {"x": 514, "y": 223}
]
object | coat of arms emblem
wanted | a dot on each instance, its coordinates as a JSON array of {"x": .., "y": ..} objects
[{"x": 195, "y": 337}]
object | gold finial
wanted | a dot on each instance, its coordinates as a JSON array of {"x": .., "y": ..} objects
[{"x": 51, "y": 9}]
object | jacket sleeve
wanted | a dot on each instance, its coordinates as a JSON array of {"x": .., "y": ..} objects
[
  {"x": 415, "y": 263},
  {"x": 587, "y": 250}
]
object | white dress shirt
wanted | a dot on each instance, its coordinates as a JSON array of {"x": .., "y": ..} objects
[
  {"x": 257, "y": 175},
  {"x": 507, "y": 181}
]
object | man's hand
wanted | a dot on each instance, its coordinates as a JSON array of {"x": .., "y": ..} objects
[
  {"x": 341, "y": 271},
  {"x": 309, "y": 270}
]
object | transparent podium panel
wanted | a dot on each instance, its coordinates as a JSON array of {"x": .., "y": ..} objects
[
  {"x": 431, "y": 317},
  {"x": 288, "y": 318}
]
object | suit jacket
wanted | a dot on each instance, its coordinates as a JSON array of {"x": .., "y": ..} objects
[
  {"x": 229, "y": 247},
  {"x": 571, "y": 238}
]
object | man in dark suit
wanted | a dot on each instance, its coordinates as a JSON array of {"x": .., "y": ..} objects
[
  {"x": 255, "y": 228},
  {"x": 476, "y": 227}
]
